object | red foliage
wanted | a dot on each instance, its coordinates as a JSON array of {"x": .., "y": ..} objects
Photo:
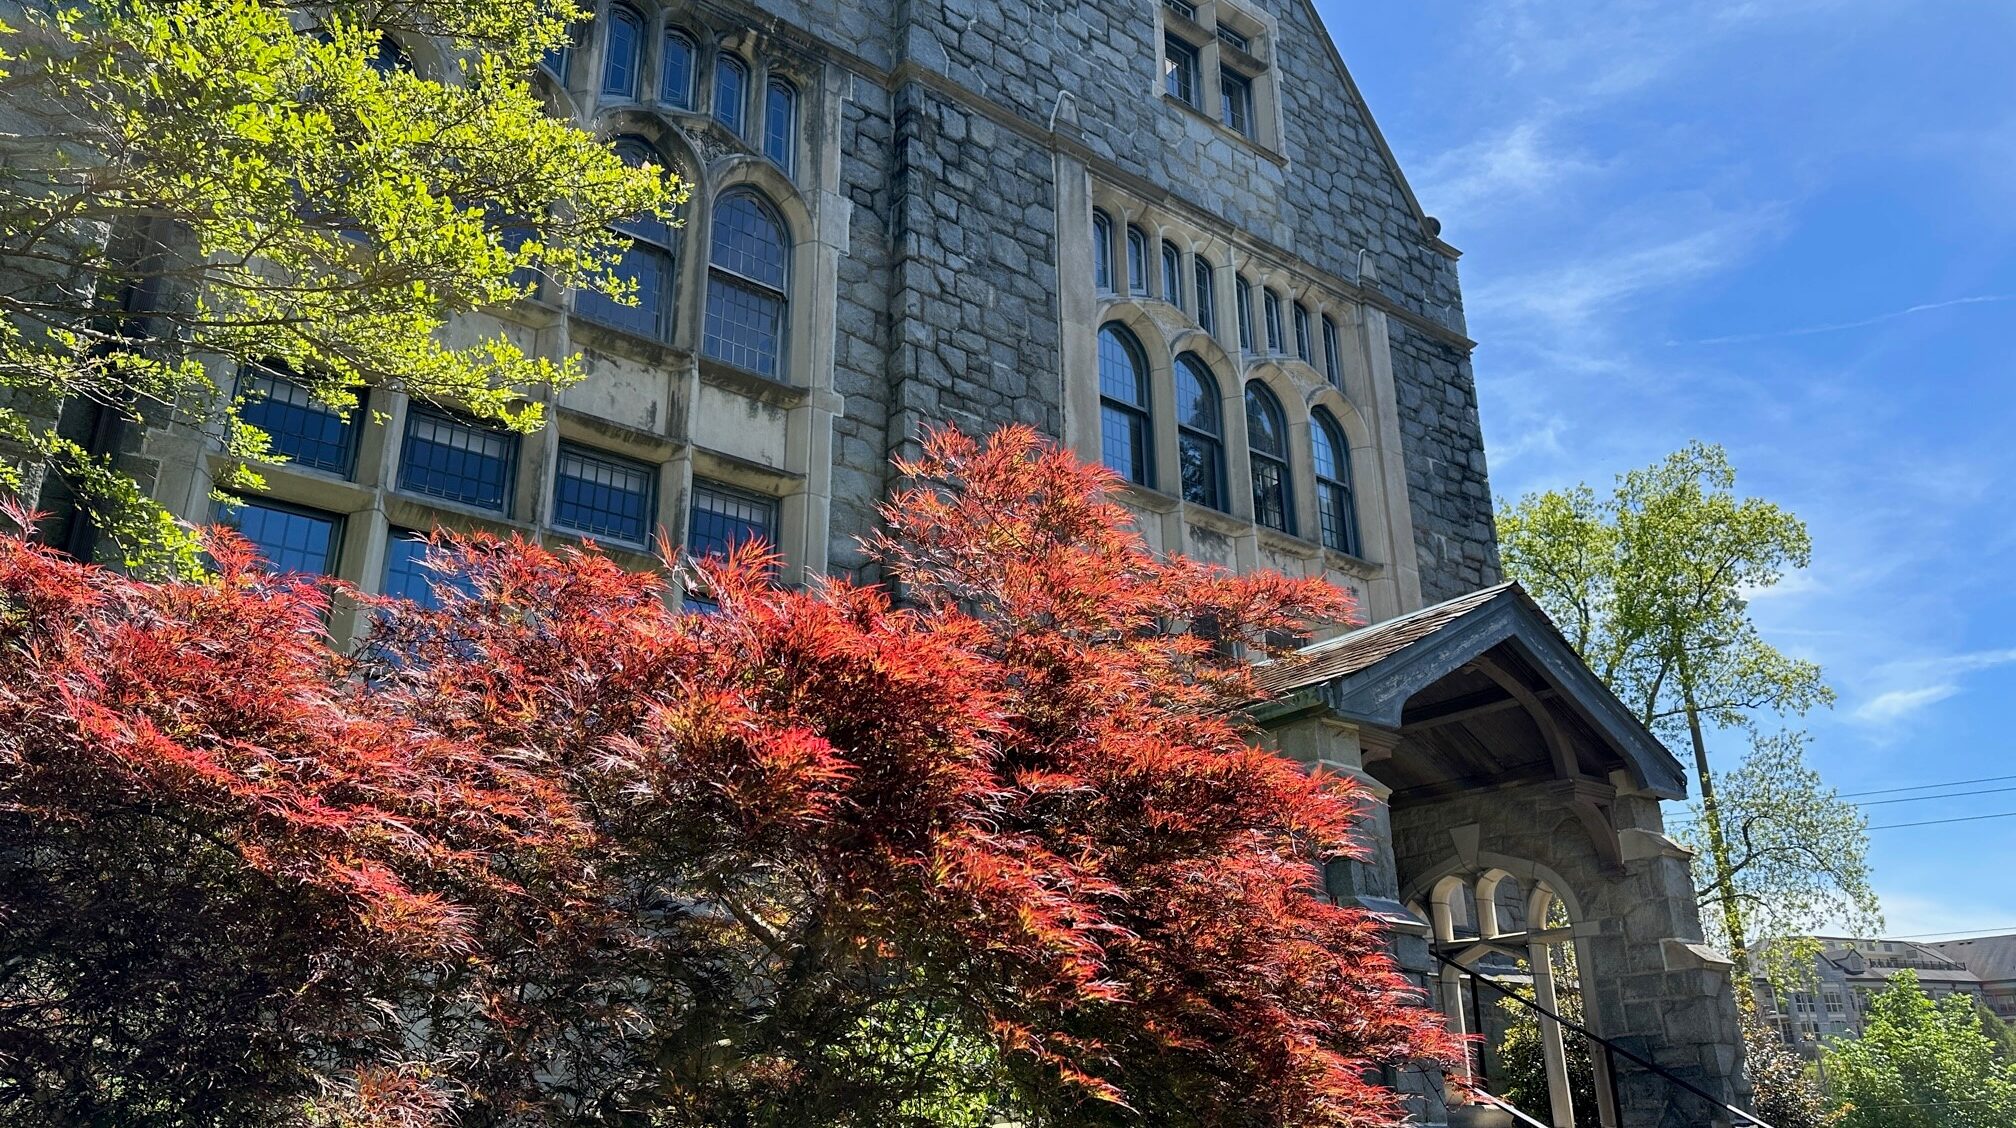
[{"x": 556, "y": 854}]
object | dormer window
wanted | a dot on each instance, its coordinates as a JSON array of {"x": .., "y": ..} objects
[{"x": 1217, "y": 58}]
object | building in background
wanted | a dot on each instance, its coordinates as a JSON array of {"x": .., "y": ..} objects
[
  {"x": 1168, "y": 234},
  {"x": 1847, "y": 972},
  {"x": 1992, "y": 959}
]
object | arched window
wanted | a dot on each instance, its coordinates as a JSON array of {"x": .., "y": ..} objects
[
  {"x": 622, "y": 52},
  {"x": 1137, "y": 260},
  {"x": 1207, "y": 296},
  {"x": 559, "y": 61},
  {"x": 746, "y": 297},
  {"x": 1267, "y": 444},
  {"x": 1335, "y": 508},
  {"x": 1172, "y": 274},
  {"x": 731, "y": 91},
  {"x": 1302, "y": 343},
  {"x": 675, "y": 80},
  {"x": 1124, "y": 440},
  {"x": 651, "y": 260},
  {"x": 1333, "y": 357},
  {"x": 389, "y": 57},
  {"x": 1200, "y": 433},
  {"x": 780, "y": 123},
  {"x": 1102, "y": 251},
  {"x": 1244, "y": 296},
  {"x": 1271, "y": 306}
]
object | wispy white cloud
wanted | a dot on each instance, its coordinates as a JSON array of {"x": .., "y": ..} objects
[
  {"x": 1889, "y": 708},
  {"x": 1922, "y": 683},
  {"x": 1510, "y": 167},
  {"x": 1842, "y": 326}
]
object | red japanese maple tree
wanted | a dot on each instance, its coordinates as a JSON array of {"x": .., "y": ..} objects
[{"x": 554, "y": 853}]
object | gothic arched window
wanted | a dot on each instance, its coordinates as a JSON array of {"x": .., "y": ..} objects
[
  {"x": 780, "y": 123},
  {"x": 622, "y": 51},
  {"x": 747, "y": 271},
  {"x": 1124, "y": 420},
  {"x": 1102, "y": 251},
  {"x": 1267, "y": 446},
  {"x": 675, "y": 80},
  {"x": 1336, "y": 510},
  {"x": 652, "y": 260},
  {"x": 1137, "y": 260},
  {"x": 731, "y": 91},
  {"x": 1200, "y": 430}
]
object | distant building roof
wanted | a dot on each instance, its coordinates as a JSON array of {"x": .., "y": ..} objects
[{"x": 1993, "y": 958}]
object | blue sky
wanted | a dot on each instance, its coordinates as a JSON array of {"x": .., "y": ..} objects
[{"x": 1787, "y": 226}]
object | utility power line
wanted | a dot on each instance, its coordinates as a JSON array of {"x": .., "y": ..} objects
[
  {"x": 1942, "y": 822},
  {"x": 1924, "y": 798},
  {"x": 1928, "y": 786}
]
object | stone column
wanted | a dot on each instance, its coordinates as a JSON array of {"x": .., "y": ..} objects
[{"x": 1561, "y": 1102}]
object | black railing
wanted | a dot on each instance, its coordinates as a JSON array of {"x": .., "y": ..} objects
[{"x": 1611, "y": 1050}]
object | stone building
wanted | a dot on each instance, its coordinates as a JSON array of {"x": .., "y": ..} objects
[{"x": 1169, "y": 233}]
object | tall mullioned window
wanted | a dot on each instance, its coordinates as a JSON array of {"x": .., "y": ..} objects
[
  {"x": 1172, "y": 274},
  {"x": 622, "y": 51},
  {"x": 1235, "y": 100},
  {"x": 1124, "y": 421},
  {"x": 1207, "y": 296},
  {"x": 723, "y": 519},
  {"x": 780, "y": 123},
  {"x": 731, "y": 91},
  {"x": 1102, "y": 251},
  {"x": 1333, "y": 354},
  {"x": 1180, "y": 72},
  {"x": 1243, "y": 293},
  {"x": 746, "y": 284},
  {"x": 307, "y": 431},
  {"x": 456, "y": 460},
  {"x": 1335, "y": 507},
  {"x": 1267, "y": 446},
  {"x": 1137, "y": 260},
  {"x": 1200, "y": 430},
  {"x": 1271, "y": 304},
  {"x": 651, "y": 262},
  {"x": 676, "y": 72},
  {"x": 1302, "y": 345}
]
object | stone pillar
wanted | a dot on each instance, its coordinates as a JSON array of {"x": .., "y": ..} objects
[{"x": 1561, "y": 1102}]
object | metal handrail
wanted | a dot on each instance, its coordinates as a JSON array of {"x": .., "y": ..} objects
[
  {"x": 1508, "y": 1106},
  {"x": 1743, "y": 1119}
]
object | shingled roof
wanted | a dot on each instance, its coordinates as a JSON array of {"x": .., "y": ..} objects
[{"x": 1370, "y": 674}]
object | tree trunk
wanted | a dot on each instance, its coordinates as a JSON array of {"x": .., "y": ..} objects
[{"x": 1718, "y": 845}]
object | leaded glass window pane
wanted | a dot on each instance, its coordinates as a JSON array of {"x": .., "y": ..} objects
[
  {"x": 307, "y": 431},
  {"x": 1137, "y": 261},
  {"x": 1244, "y": 296},
  {"x": 1333, "y": 359},
  {"x": 1172, "y": 275},
  {"x": 1102, "y": 251},
  {"x": 731, "y": 91},
  {"x": 1271, "y": 301},
  {"x": 1123, "y": 395},
  {"x": 780, "y": 123},
  {"x": 287, "y": 539},
  {"x": 1334, "y": 503},
  {"x": 1207, "y": 297},
  {"x": 653, "y": 271},
  {"x": 409, "y": 576},
  {"x": 1235, "y": 94},
  {"x": 746, "y": 285},
  {"x": 622, "y": 52},
  {"x": 1302, "y": 332},
  {"x": 724, "y": 518},
  {"x": 603, "y": 495},
  {"x": 1267, "y": 444},
  {"x": 675, "y": 84},
  {"x": 1200, "y": 433},
  {"x": 447, "y": 458}
]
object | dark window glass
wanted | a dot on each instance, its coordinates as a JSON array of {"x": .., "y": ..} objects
[
  {"x": 746, "y": 300},
  {"x": 1271, "y": 301},
  {"x": 1102, "y": 252},
  {"x": 1172, "y": 274},
  {"x": 287, "y": 539},
  {"x": 409, "y": 576},
  {"x": 1235, "y": 96},
  {"x": 1137, "y": 261},
  {"x": 675, "y": 84},
  {"x": 1207, "y": 296},
  {"x": 731, "y": 91},
  {"x": 1179, "y": 70},
  {"x": 1333, "y": 360},
  {"x": 1244, "y": 295},
  {"x": 1267, "y": 445},
  {"x": 1233, "y": 39},
  {"x": 1200, "y": 433},
  {"x": 1335, "y": 507},
  {"x": 1123, "y": 400},
  {"x": 780, "y": 123},
  {"x": 651, "y": 261},
  {"x": 603, "y": 495},
  {"x": 308, "y": 432},
  {"x": 1182, "y": 8},
  {"x": 448, "y": 458},
  {"x": 388, "y": 57},
  {"x": 1302, "y": 332},
  {"x": 621, "y": 52},
  {"x": 722, "y": 519},
  {"x": 558, "y": 61}
]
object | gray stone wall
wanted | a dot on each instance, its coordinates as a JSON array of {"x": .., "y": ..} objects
[
  {"x": 1455, "y": 534},
  {"x": 1643, "y": 986}
]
